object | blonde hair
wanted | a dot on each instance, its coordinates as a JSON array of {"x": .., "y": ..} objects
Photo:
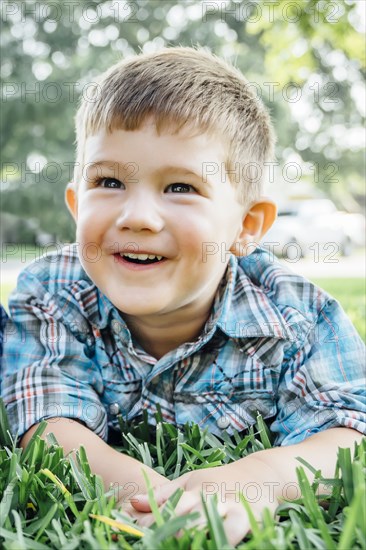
[{"x": 184, "y": 87}]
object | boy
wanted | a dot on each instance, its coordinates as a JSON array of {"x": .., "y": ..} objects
[{"x": 164, "y": 299}]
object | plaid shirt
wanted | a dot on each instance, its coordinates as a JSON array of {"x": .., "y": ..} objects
[{"x": 274, "y": 344}]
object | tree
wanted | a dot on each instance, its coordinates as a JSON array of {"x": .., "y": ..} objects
[{"x": 305, "y": 58}]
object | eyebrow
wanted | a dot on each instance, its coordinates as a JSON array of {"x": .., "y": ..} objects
[{"x": 168, "y": 169}]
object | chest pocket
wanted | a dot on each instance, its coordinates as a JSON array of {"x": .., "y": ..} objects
[{"x": 225, "y": 391}]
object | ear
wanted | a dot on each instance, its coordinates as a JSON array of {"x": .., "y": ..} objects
[
  {"x": 256, "y": 222},
  {"x": 71, "y": 200}
]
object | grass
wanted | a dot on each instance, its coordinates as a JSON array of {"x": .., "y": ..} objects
[
  {"x": 49, "y": 500},
  {"x": 349, "y": 292},
  {"x": 352, "y": 296},
  {"x": 24, "y": 252},
  {"x": 5, "y": 290}
]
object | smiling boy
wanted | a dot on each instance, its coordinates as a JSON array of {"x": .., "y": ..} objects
[
  {"x": 168, "y": 301},
  {"x": 162, "y": 301}
]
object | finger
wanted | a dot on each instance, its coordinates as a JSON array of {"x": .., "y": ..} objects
[
  {"x": 131, "y": 512},
  {"x": 146, "y": 520},
  {"x": 236, "y": 525},
  {"x": 198, "y": 525},
  {"x": 161, "y": 494},
  {"x": 187, "y": 502},
  {"x": 185, "y": 505}
]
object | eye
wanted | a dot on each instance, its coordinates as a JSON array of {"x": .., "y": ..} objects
[
  {"x": 181, "y": 188},
  {"x": 109, "y": 183}
]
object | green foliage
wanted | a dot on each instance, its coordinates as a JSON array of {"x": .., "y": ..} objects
[
  {"x": 51, "y": 50},
  {"x": 49, "y": 500},
  {"x": 351, "y": 295}
]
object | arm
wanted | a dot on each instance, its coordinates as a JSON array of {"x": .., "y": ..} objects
[
  {"x": 280, "y": 463},
  {"x": 274, "y": 470},
  {"x": 48, "y": 374},
  {"x": 264, "y": 478},
  {"x": 113, "y": 466}
]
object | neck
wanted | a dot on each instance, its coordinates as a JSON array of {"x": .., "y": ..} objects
[{"x": 159, "y": 335}]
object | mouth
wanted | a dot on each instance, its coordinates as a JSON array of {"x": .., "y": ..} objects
[{"x": 142, "y": 259}]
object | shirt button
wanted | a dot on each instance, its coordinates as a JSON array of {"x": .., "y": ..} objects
[
  {"x": 116, "y": 326},
  {"x": 223, "y": 422},
  {"x": 114, "y": 409}
]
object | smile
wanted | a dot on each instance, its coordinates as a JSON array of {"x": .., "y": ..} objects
[
  {"x": 142, "y": 258},
  {"x": 139, "y": 261}
]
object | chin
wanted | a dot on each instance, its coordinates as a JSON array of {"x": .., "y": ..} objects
[{"x": 138, "y": 310}]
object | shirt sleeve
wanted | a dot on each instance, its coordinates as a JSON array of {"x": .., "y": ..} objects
[
  {"x": 45, "y": 371},
  {"x": 323, "y": 385}
]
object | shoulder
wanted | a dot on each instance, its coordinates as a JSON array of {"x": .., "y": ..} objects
[
  {"x": 296, "y": 298},
  {"x": 54, "y": 285},
  {"x": 52, "y": 272}
]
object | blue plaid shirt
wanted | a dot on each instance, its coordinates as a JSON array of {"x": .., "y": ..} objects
[{"x": 274, "y": 344}]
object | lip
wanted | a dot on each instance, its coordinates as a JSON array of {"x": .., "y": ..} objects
[
  {"x": 137, "y": 267},
  {"x": 132, "y": 248}
]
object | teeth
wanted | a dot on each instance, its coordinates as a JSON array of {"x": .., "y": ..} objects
[{"x": 142, "y": 256}]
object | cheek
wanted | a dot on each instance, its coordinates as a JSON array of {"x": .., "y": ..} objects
[
  {"x": 93, "y": 220},
  {"x": 194, "y": 231},
  {"x": 201, "y": 242}
]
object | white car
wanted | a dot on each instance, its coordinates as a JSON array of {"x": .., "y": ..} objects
[{"x": 311, "y": 227}]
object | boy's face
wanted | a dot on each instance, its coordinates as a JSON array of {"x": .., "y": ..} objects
[{"x": 142, "y": 200}]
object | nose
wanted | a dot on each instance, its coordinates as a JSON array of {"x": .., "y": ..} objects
[{"x": 139, "y": 212}]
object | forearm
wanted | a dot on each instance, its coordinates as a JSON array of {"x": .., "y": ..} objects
[
  {"x": 275, "y": 469},
  {"x": 115, "y": 468}
]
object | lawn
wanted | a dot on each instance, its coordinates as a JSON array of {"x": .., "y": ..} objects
[
  {"x": 351, "y": 293},
  {"x": 52, "y": 501},
  {"x": 48, "y": 500}
]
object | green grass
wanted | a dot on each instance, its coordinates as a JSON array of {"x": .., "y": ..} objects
[
  {"x": 49, "y": 500},
  {"x": 24, "y": 252},
  {"x": 352, "y": 296},
  {"x": 349, "y": 292},
  {"x": 5, "y": 290}
]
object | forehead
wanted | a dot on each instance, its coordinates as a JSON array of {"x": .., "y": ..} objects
[{"x": 152, "y": 150}]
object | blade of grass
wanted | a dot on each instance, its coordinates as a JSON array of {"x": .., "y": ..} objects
[
  {"x": 159, "y": 438},
  {"x": 153, "y": 504},
  {"x": 57, "y": 527},
  {"x": 313, "y": 509},
  {"x": 66, "y": 494},
  {"x": 44, "y": 522},
  {"x": 6, "y": 501},
  {"x": 29, "y": 448},
  {"x": 14, "y": 540},
  {"x": 159, "y": 534},
  {"x": 5, "y": 438},
  {"x": 263, "y": 432},
  {"x": 345, "y": 464},
  {"x": 178, "y": 466},
  {"x": 81, "y": 479},
  {"x": 252, "y": 521},
  {"x": 299, "y": 531},
  {"x": 354, "y": 514},
  {"x": 118, "y": 525},
  {"x": 214, "y": 522},
  {"x": 19, "y": 530}
]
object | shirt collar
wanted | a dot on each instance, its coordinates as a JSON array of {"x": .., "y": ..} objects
[
  {"x": 241, "y": 309},
  {"x": 94, "y": 305},
  {"x": 246, "y": 311}
]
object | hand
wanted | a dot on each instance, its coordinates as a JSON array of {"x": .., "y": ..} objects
[
  {"x": 225, "y": 481},
  {"x": 126, "y": 500}
]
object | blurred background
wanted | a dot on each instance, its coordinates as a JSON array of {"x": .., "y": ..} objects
[{"x": 305, "y": 59}]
